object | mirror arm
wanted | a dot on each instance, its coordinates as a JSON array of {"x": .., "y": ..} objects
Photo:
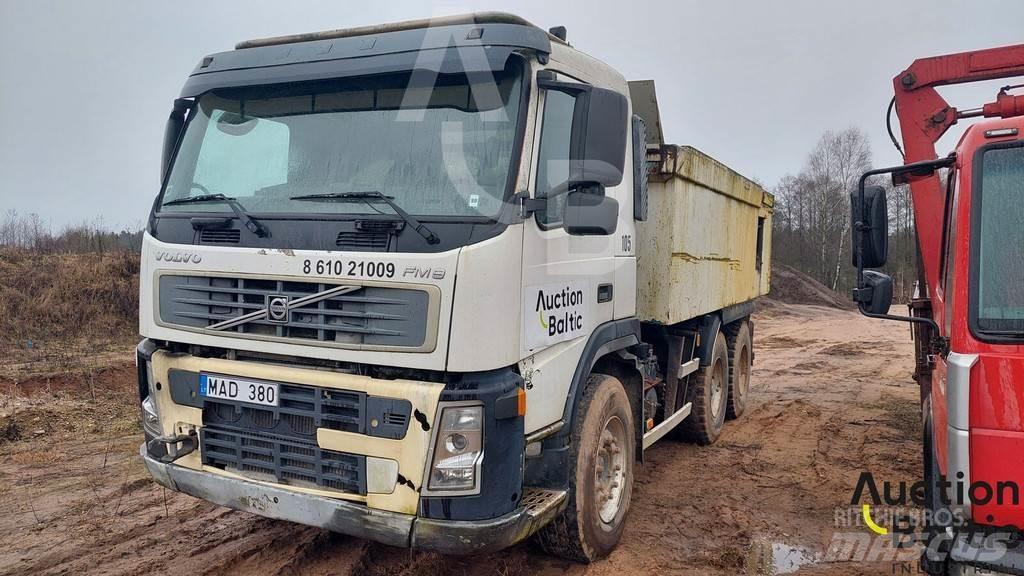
[
  {"x": 528, "y": 205},
  {"x": 548, "y": 82},
  {"x": 914, "y": 319}
]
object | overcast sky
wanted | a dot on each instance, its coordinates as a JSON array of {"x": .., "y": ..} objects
[{"x": 86, "y": 86}]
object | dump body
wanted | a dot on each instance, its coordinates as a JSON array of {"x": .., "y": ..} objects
[{"x": 706, "y": 244}]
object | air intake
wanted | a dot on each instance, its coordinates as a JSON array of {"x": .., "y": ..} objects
[
  {"x": 369, "y": 235},
  {"x": 363, "y": 241},
  {"x": 221, "y": 236}
]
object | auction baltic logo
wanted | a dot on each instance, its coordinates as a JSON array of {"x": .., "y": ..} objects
[{"x": 558, "y": 322}]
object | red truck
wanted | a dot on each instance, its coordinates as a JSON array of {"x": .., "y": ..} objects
[{"x": 968, "y": 309}]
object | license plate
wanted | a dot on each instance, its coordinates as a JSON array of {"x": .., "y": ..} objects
[{"x": 238, "y": 389}]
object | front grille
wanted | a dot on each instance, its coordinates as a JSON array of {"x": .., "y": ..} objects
[
  {"x": 354, "y": 317},
  {"x": 300, "y": 411},
  {"x": 272, "y": 458}
]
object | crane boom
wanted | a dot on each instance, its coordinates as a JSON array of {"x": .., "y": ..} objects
[{"x": 925, "y": 116}]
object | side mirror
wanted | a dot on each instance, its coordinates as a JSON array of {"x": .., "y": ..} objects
[
  {"x": 597, "y": 151},
  {"x": 875, "y": 296},
  {"x": 600, "y": 124},
  {"x": 588, "y": 212},
  {"x": 871, "y": 239}
]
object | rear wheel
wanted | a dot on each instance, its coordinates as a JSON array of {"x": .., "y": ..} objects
[
  {"x": 740, "y": 360},
  {"x": 601, "y": 453},
  {"x": 709, "y": 393}
]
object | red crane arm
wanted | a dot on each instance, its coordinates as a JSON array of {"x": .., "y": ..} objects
[{"x": 925, "y": 116}]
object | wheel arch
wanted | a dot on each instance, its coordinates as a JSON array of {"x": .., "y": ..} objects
[
  {"x": 605, "y": 352},
  {"x": 604, "y": 348}
]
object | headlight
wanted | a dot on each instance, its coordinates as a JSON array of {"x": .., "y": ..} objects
[
  {"x": 150, "y": 417},
  {"x": 458, "y": 450},
  {"x": 150, "y": 414}
]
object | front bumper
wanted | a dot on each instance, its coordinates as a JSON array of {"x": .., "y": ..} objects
[{"x": 355, "y": 519}]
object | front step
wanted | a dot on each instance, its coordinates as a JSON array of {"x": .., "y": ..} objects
[{"x": 541, "y": 502}]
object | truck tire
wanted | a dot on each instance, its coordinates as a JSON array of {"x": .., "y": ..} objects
[
  {"x": 601, "y": 453},
  {"x": 737, "y": 335},
  {"x": 709, "y": 394}
]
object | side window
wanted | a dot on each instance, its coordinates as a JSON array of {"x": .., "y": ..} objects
[
  {"x": 239, "y": 157},
  {"x": 553, "y": 153}
]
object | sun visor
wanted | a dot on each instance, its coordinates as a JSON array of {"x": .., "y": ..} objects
[
  {"x": 441, "y": 61},
  {"x": 482, "y": 47}
]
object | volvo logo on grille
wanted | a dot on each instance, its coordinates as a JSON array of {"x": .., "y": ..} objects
[{"x": 277, "y": 309}]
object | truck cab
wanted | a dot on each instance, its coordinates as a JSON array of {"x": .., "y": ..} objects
[
  {"x": 968, "y": 310},
  {"x": 389, "y": 289},
  {"x": 979, "y": 307}
]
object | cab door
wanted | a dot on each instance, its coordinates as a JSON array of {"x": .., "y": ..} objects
[{"x": 568, "y": 281}]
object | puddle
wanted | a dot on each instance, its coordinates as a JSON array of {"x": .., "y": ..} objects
[
  {"x": 769, "y": 558},
  {"x": 788, "y": 559}
]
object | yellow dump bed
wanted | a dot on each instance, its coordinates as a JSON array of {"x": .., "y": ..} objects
[{"x": 706, "y": 244}]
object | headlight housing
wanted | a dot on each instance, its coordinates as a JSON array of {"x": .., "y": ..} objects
[{"x": 457, "y": 452}]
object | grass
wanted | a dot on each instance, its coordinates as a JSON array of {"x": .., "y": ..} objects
[
  {"x": 49, "y": 298},
  {"x": 68, "y": 314}
]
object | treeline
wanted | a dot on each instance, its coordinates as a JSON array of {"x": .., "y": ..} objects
[
  {"x": 812, "y": 216},
  {"x": 30, "y": 232}
]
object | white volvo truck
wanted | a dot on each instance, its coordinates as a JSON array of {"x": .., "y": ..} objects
[{"x": 437, "y": 284}]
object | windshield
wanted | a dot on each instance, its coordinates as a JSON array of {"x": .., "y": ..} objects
[
  {"x": 999, "y": 276},
  {"x": 440, "y": 147}
]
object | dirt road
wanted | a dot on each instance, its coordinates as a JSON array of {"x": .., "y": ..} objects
[{"x": 832, "y": 397}]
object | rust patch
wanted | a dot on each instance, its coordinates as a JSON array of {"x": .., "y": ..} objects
[
  {"x": 287, "y": 251},
  {"x": 687, "y": 257}
]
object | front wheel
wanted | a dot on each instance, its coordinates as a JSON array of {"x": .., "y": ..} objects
[{"x": 601, "y": 453}]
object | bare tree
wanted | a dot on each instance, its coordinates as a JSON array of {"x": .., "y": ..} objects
[
  {"x": 835, "y": 165},
  {"x": 812, "y": 215}
]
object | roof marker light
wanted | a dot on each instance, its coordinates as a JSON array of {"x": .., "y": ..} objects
[{"x": 1000, "y": 132}]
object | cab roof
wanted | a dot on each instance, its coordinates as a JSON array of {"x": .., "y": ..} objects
[
  {"x": 443, "y": 45},
  {"x": 458, "y": 19}
]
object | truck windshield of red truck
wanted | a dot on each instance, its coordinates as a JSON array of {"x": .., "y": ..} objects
[{"x": 998, "y": 279}]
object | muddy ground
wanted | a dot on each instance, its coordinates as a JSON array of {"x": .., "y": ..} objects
[{"x": 832, "y": 396}]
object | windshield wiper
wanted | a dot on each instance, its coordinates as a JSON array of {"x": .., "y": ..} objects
[
  {"x": 369, "y": 196},
  {"x": 236, "y": 207}
]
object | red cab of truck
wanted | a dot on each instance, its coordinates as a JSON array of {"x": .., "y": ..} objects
[{"x": 968, "y": 312}]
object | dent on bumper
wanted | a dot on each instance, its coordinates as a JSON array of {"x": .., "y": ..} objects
[{"x": 391, "y": 528}]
